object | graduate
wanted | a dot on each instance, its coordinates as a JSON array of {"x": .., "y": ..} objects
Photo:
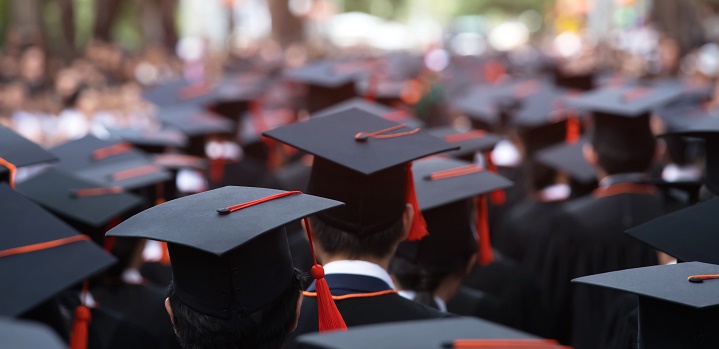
[
  {"x": 587, "y": 236},
  {"x": 233, "y": 282},
  {"x": 430, "y": 271},
  {"x": 362, "y": 160}
]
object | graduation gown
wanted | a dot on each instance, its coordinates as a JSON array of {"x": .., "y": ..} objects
[
  {"x": 142, "y": 304},
  {"x": 362, "y": 300},
  {"x": 588, "y": 238},
  {"x": 247, "y": 172},
  {"x": 470, "y": 302},
  {"x": 524, "y": 227}
]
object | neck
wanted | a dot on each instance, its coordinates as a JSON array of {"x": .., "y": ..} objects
[
  {"x": 333, "y": 257},
  {"x": 448, "y": 287}
]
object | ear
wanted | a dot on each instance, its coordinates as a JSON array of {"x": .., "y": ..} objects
[
  {"x": 659, "y": 150},
  {"x": 407, "y": 218},
  {"x": 168, "y": 308},
  {"x": 590, "y": 155},
  {"x": 297, "y": 314}
]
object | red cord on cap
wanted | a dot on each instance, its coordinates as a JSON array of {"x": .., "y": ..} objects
[
  {"x": 418, "y": 229},
  {"x": 506, "y": 343},
  {"x": 697, "y": 279},
  {"x": 364, "y": 136},
  {"x": 112, "y": 150},
  {"x": 194, "y": 91},
  {"x": 11, "y": 168},
  {"x": 81, "y": 193},
  {"x": 328, "y": 315},
  {"x": 464, "y": 136}
]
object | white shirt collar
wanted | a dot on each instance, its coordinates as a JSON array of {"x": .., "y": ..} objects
[
  {"x": 411, "y": 295},
  {"x": 358, "y": 267}
]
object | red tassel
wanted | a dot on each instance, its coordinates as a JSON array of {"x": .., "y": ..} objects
[
  {"x": 80, "y": 323},
  {"x": 485, "y": 246},
  {"x": 78, "y": 336},
  {"x": 11, "y": 168},
  {"x": 217, "y": 170},
  {"x": 419, "y": 225},
  {"x": 165, "y": 258},
  {"x": 328, "y": 315},
  {"x": 372, "y": 87},
  {"x": 498, "y": 197},
  {"x": 573, "y": 129}
]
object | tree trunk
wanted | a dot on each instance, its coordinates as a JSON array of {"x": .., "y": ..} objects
[
  {"x": 286, "y": 27},
  {"x": 106, "y": 12},
  {"x": 679, "y": 20}
]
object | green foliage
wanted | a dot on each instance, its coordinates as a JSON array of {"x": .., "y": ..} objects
[{"x": 479, "y": 7}]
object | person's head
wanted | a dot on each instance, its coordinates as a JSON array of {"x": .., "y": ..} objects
[
  {"x": 534, "y": 139},
  {"x": 621, "y": 145},
  {"x": 265, "y": 328}
]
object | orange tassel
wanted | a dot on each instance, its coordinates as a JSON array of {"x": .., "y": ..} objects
[
  {"x": 419, "y": 225},
  {"x": 217, "y": 170},
  {"x": 498, "y": 197},
  {"x": 328, "y": 315},
  {"x": 165, "y": 258},
  {"x": 81, "y": 322},
  {"x": 372, "y": 87},
  {"x": 573, "y": 129},
  {"x": 485, "y": 246}
]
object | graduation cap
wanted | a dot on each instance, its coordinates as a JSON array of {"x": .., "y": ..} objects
[
  {"x": 487, "y": 106},
  {"x": 470, "y": 141},
  {"x": 180, "y": 92},
  {"x": 234, "y": 94},
  {"x": 687, "y": 234},
  {"x": 87, "y": 206},
  {"x": 328, "y": 82},
  {"x": 568, "y": 158},
  {"x": 444, "y": 189},
  {"x": 197, "y": 124},
  {"x": 673, "y": 311},
  {"x": 628, "y": 102},
  {"x": 362, "y": 160},
  {"x": 17, "y": 151},
  {"x": 90, "y": 151},
  {"x": 17, "y": 334},
  {"x": 420, "y": 334},
  {"x": 391, "y": 114},
  {"x": 706, "y": 129},
  {"x": 679, "y": 117},
  {"x": 244, "y": 265},
  {"x": 151, "y": 141},
  {"x": 40, "y": 255}
]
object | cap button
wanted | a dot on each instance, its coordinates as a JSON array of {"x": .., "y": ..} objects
[
  {"x": 223, "y": 211},
  {"x": 696, "y": 280},
  {"x": 318, "y": 272},
  {"x": 361, "y": 137}
]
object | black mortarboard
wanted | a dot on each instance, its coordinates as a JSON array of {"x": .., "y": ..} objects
[
  {"x": 470, "y": 141},
  {"x": 568, "y": 158},
  {"x": 180, "y": 92},
  {"x": 583, "y": 81},
  {"x": 152, "y": 141},
  {"x": 391, "y": 114},
  {"x": 197, "y": 124},
  {"x": 687, "y": 234},
  {"x": 444, "y": 189},
  {"x": 708, "y": 130},
  {"x": 244, "y": 263},
  {"x": 418, "y": 334},
  {"x": 361, "y": 159},
  {"x": 487, "y": 106},
  {"x": 327, "y": 83},
  {"x": 679, "y": 117},
  {"x": 40, "y": 255},
  {"x": 673, "y": 312},
  {"x": 628, "y": 102},
  {"x": 109, "y": 163},
  {"x": 18, "y": 151},
  {"x": 18, "y": 334},
  {"x": 78, "y": 201}
]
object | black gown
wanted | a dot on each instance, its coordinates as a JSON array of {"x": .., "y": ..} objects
[
  {"x": 362, "y": 300},
  {"x": 588, "y": 238},
  {"x": 142, "y": 304},
  {"x": 470, "y": 302},
  {"x": 524, "y": 227}
]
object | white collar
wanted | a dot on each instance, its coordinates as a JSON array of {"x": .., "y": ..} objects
[
  {"x": 358, "y": 267},
  {"x": 555, "y": 192},
  {"x": 411, "y": 295},
  {"x": 631, "y": 177}
]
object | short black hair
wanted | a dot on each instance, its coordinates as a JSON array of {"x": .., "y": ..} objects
[
  {"x": 623, "y": 145},
  {"x": 266, "y": 328},
  {"x": 411, "y": 276},
  {"x": 379, "y": 244}
]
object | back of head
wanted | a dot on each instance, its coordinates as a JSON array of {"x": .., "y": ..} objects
[{"x": 623, "y": 145}]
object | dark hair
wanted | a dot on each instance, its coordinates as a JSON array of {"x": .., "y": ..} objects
[
  {"x": 540, "y": 175},
  {"x": 266, "y": 328},
  {"x": 424, "y": 283},
  {"x": 379, "y": 244},
  {"x": 616, "y": 157}
]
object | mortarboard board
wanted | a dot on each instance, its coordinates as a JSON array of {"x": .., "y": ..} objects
[
  {"x": 568, "y": 158},
  {"x": 197, "y": 124},
  {"x": 77, "y": 200},
  {"x": 687, "y": 234},
  {"x": 673, "y": 312},
  {"x": 248, "y": 244},
  {"x": 391, "y": 114},
  {"x": 361, "y": 159},
  {"x": 153, "y": 141},
  {"x": 17, "y": 151},
  {"x": 180, "y": 92},
  {"x": 40, "y": 255},
  {"x": 444, "y": 189},
  {"x": 487, "y": 105},
  {"x": 628, "y": 102},
  {"x": 18, "y": 334},
  {"x": 418, "y": 334},
  {"x": 470, "y": 141},
  {"x": 328, "y": 82}
]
